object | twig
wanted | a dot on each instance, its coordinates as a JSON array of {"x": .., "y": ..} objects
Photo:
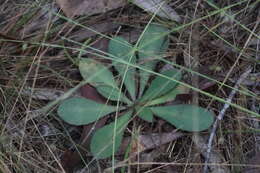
[{"x": 220, "y": 117}]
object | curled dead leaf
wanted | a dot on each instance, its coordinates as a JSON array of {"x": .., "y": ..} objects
[
  {"x": 159, "y": 7},
  {"x": 88, "y": 7},
  {"x": 149, "y": 141}
]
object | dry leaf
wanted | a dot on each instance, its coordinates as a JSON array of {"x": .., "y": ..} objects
[
  {"x": 88, "y": 7},
  {"x": 41, "y": 19},
  {"x": 150, "y": 141},
  {"x": 83, "y": 33},
  {"x": 159, "y": 7},
  {"x": 145, "y": 142}
]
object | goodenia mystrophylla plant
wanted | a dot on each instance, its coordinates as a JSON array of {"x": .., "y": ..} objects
[{"x": 139, "y": 97}]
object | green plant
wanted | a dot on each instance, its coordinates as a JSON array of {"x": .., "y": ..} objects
[{"x": 139, "y": 96}]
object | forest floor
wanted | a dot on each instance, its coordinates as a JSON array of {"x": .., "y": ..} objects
[{"x": 215, "y": 43}]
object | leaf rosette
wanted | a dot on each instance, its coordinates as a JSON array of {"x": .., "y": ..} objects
[{"x": 138, "y": 96}]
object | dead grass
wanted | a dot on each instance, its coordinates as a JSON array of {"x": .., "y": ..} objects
[{"x": 221, "y": 47}]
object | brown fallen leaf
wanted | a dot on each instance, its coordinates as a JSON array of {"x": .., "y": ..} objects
[
  {"x": 69, "y": 159},
  {"x": 40, "y": 20},
  {"x": 88, "y": 7},
  {"x": 93, "y": 30},
  {"x": 90, "y": 92},
  {"x": 159, "y": 7},
  {"x": 149, "y": 141},
  {"x": 142, "y": 143}
]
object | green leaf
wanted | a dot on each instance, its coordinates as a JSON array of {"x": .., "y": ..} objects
[
  {"x": 81, "y": 111},
  {"x": 145, "y": 114},
  {"x": 153, "y": 42},
  {"x": 161, "y": 85},
  {"x": 185, "y": 117},
  {"x": 102, "y": 142},
  {"x": 112, "y": 93},
  {"x": 96, "y": 72},
  {"x": 165, "y": 98},
  {"x": 152, "y": 45},
  {"x": 121, "y": 49}
]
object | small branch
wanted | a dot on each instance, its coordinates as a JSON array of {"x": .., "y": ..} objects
[{"x": 220, "y": 117}]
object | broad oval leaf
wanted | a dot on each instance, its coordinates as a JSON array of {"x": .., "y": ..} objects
[
  {"x": 112, "y": 93},
  {"x": 185, "y": 117},
  {"x": 96, "y": 72},
  {"x": 81, "y": 111},
  {"x": 153, "y": 42},
  {"x": 105, "y": 139},
  {"x": 165, "y": 98},
  {"x": 180, "y": 89},
  {"x": 152, "y": 45},
  {"x": 119, "y": 48},
  {"x": 161, "y": 85},
  {"x": 145, "y": 113}
]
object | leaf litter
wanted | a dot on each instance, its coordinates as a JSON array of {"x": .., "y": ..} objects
[{"x": 92, "y": 7}]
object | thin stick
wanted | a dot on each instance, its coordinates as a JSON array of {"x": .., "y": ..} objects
[{"x": 220, "y": 117}]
